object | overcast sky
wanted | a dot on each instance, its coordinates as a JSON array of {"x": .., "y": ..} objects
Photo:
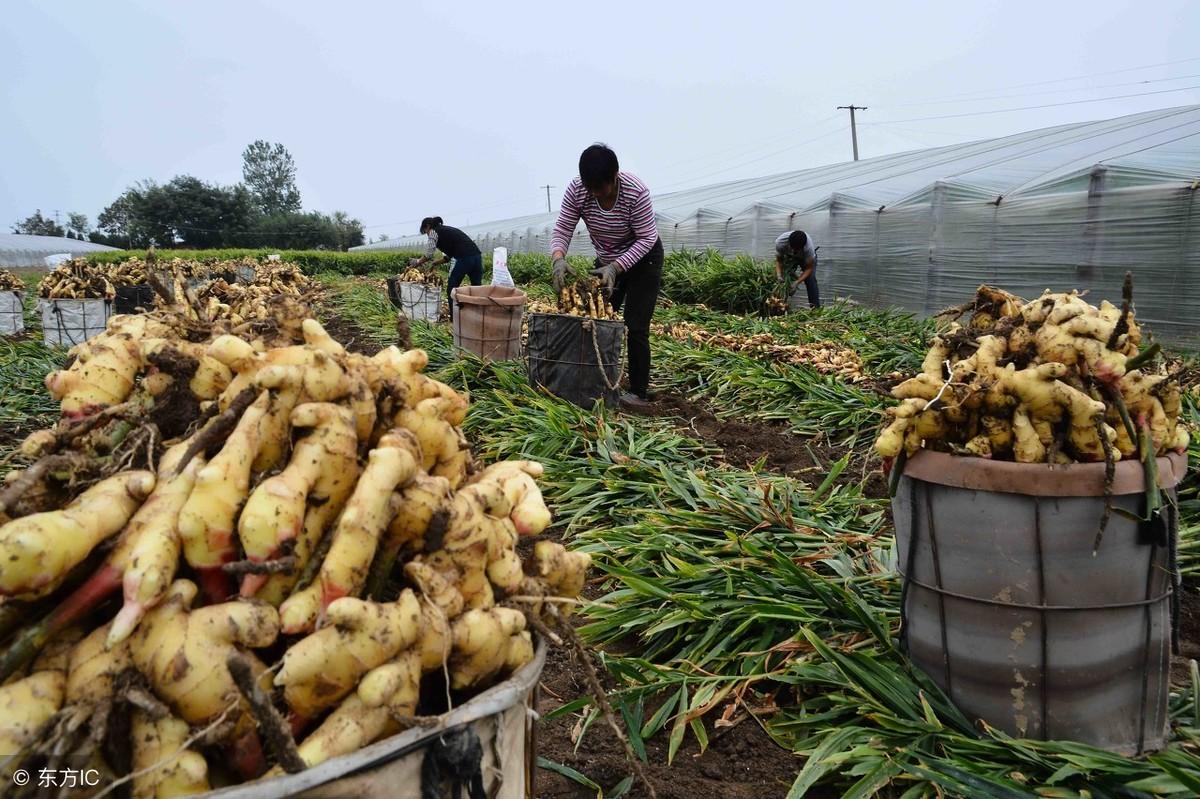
[{"x": 394, "y": 111}]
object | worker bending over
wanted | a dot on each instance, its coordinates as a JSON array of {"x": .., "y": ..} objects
[
  {"x": 468, "y": 261},
  {"x": 794, "y": 252},
  {"x": 616, "y": 208}
]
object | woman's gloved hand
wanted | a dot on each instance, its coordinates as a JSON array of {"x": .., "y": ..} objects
[
  {"x": 608, "y": 276},
  {"x": 561, "y": 269}
]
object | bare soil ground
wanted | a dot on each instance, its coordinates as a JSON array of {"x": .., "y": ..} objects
[
  {"x": 741, "y": 762},
  {"x": 769, "y": 446}
]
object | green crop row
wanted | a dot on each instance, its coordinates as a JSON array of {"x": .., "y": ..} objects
[
  {"x": 311, "y": 261},
  {"x": 737, "y": 284}
]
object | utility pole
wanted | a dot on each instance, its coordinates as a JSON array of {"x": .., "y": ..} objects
[
  {"x": 853, "y": 128},
  {"x": 547, "y": 188}
]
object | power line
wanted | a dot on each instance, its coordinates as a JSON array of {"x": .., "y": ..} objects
[
  {"x": 456, "y": 212},
  {"x": 1032, "y": 107},
  {"x": 906, "y": 136},
  {"x": 1072, "y": 138},
  {"x": 742, "y": 164},
  {"x": 1157, "y": 144},
  {"x": 833, "y": 175},
  {"x": 746, "y": 148},
  {"x": 773, "y": 139},
  {"x": 547, "y": 187},
  {"x": 1042, "y": 149},
  {"x": 1047, "y": 91},
  {"x": 1065, "y": 80},
  {"x": 966, "y": 137},
  {"x": 1127, "y": 152}
]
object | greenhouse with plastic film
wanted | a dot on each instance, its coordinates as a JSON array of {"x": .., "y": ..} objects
[
  {"x": 1071, "y": 205},
  {"x": 17, "y": 249}
]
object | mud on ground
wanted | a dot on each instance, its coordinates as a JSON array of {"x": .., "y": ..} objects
[{"x": 747, "y": 444}]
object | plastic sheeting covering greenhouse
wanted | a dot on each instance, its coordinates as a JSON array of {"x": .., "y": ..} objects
[
  {"x": 1073, "y": 206},
  {"x": 17, "y": 249}
]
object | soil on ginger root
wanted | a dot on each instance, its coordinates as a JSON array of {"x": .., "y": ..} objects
[
  {"x": 741, "y": 762},
  {"x": 744, "y": 444}
]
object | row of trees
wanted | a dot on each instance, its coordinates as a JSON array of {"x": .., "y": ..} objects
[
  {"x": 35, "y": 224},
  {"x": 262, "y": 211}
]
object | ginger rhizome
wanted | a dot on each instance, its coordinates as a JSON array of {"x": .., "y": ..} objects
[
  {"x": 1054, "y": 379},
  {"x": 265, "y": 497}
]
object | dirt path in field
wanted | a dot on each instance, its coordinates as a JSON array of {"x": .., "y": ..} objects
[
  {"x": 745, "y": 444},
  {"x": 741, "y": 762}
]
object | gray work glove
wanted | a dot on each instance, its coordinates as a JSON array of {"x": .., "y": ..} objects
[
  {"x": 608, "y": 276},
  {"x": 414, "y": 261},
  {"x": 561, "y": 270}
]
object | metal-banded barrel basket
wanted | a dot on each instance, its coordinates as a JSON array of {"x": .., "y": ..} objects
[
  {"x": 416, "y": 300},
  {"x": 502, "y": 719},
  {"x": 66, "y": 323},
  {"x": 1006, "y": 608},
  {"x": 133, "y": 299},
  {"x": 12, "y": 313},
  {"x": 487, "y": 321},
  {"x": 576, "y": 358}
]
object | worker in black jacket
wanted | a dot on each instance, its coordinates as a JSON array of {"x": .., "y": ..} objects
[{"x": 453, "y": 243}]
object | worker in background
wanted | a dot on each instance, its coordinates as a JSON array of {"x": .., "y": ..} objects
[
  {"x": 794, "y": 253},
  {"x": 453, "y": 243},
  {"x": 616, "y": 208}
]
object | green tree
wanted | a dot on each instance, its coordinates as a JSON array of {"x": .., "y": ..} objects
[
  {"x": 305, "y": 231},
  {"x": 38, "y": 225},
  {"x": 270, "y": 175},
  {"x": 185, "y": 212},
  {"x": 79, "y": 224},
  {"x": 348, "y": 232},
  {"x": 121, "y": 222},
  {"x": 198, "y": 214},
  {"x": 297, "y": 231}
]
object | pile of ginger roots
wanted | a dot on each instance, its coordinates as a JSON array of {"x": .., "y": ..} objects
[
  {"x": 1055, "y": 380},
  {"x": 321, "y": 511}
]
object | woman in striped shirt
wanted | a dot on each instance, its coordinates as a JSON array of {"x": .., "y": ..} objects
[{"x": 615, "y": 207}]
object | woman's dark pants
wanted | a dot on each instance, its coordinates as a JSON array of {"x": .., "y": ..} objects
[
  {"x": 468, "y": 266},
  {"x": 637, "y": 291}
]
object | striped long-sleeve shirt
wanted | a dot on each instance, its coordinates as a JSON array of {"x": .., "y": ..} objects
[{"x": 623, "y": 235}]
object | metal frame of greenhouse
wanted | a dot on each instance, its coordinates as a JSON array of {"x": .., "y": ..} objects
[{"x": 1072, "y": 206}]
